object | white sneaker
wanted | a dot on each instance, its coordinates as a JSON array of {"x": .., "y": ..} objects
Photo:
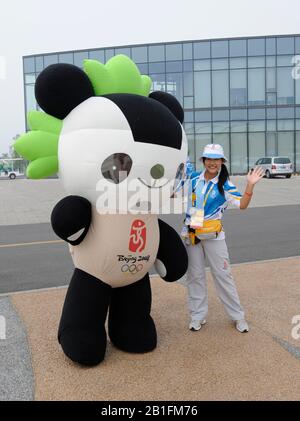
[
  {"x": 196, "y": 324},
  {"x": 242, "y": 325}
]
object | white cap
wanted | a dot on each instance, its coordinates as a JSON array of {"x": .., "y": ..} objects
[{"x": 214, "y": 151}]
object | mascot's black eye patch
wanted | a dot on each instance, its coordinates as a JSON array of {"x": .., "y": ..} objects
[
  {"x": 150, "y": 121},
  {"x": 116, "y": 167}
]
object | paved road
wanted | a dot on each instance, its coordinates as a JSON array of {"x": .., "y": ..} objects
[{"x": 256, "y": 234}]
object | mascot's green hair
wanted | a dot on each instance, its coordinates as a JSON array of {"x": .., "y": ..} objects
[{"x": 40, "y": 145}]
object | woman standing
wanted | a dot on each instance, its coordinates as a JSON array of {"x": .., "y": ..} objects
[{"x": 209, "y": 195}]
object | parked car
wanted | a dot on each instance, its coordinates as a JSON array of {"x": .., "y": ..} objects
[
  {"x": 9, "y": 174},
  {"x": 276, "y": 165}
]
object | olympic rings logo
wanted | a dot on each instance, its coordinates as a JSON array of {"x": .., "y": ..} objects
[{"x": 132, "y": 268}]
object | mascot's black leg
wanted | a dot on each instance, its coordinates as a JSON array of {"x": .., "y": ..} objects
[
  {"x": 130, "y": 326},
  {"x": 81, "y": 331}
]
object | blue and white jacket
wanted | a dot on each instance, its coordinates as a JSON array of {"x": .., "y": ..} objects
[{"x": 216, "y": 203}]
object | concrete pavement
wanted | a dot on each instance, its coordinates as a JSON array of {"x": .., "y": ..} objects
[
  {"x": 31, "y": 201},
  {"x": 216, "y": 363}
]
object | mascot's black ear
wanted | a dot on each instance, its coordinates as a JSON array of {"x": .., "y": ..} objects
[
  {"x": 60, "y": 88},
  {"x": 170, "y": 102}
]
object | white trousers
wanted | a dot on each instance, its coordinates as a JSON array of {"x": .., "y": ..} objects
[{"x": 216, "y": 253}]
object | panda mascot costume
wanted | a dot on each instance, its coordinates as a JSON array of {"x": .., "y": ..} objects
[{"x": 98, "y": 123}]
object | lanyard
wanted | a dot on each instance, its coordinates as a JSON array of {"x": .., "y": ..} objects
[{"x": 201, "y": 199}]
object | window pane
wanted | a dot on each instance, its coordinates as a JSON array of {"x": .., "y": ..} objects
[
  {"x": 158, "y": 67},
  {"x": 297, "y": 111},
  {"x": 174, "y": 52},
  {"x": 39, "y": 63},
  {"x": 271, "y": 61},
  {"x": 109, "y": 54},
  {"x": 191, "y": 147},
  {"x": 203, "y": 127},
  {"x": 297, "y": 124},
  {"x": 257, "y": 126},
  {"x": 219, "y": 48},
  {"x": 50, "y": 59},
  {"x": 202, "y": 116},
  {"x": 188, "y": 102},
  {"x": 285, "y": 112},
  {"x": 238, "y": 63},
  {"x": 187, "y": 51},
  {"x": 220, "y": 88},
  {"x": 174, "y": 66},
  {"x": 297, "y": 40},
  {"x": 158, "y": 82},
  {"x": 201, "y": 141},
  {"x": 139, "y": 54},
  {"x": 256, "y": 47},
  {"x": 125, "y": 51},
  {"x": 271, "y": 125},
  {"x": 284, "y": 60},
  {"x": 285, "y": 86},
  {"x": 238, "y": 114},
  {"x": 30, "y": 98},
  {"x": 188, "y": 65},
  {"x": 271, "y": 80},
  {"x": 238, "y": 89},
  {"x": 221, "y": 115},
  {"x": 201, "y": 50},
  {"x": 238, "y": 153},
  {"x": 175, "y": 85},
  {"x": 188, "y": 83},
  {"x": 223, "y": 139},
  {"x": 202, "y": 65},
  {"x": 29, "y": 66},
  {"x": 237, "y": 48},
  {"x": 298, "y": 151},
  {"x": 271, "y": 144},
  {"x": 202, "y": 90},
  {"x": 219, "y": 63},
  {"x": 221, "y": 127},
  {"x": 79, "y": 57},
  {"x": 256, "y": 86},
  {"x": 30, "y": 78},
  {"x": 286, "y": 145},
  {"x": 97, "y": 55},
  {"x": 270, "y": 46},
  {"x": 256, "y": 62},
  {"x": 238, "y": 126},
  {"x": 285, "y": 45},
  {"x": 256, "y": 114},
  {"x": 256, "y": 147},
  {"x": 271, "y": 113},
  {"x": 189, "y": 116},
  {"x": 285, "y": 124},
  {"x": 143, "y": 68},
  {"x": 66, "y": 58},
  {"x": 271, "y": 98},
  {"x": 189, "y": 127},
  {"x": 297, "y": 83}
]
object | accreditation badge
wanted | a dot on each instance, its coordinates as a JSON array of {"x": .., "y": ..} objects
[{"x": 197, "y": 218}]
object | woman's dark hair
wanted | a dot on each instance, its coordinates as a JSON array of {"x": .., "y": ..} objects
[{"x": 223, "y": 177}]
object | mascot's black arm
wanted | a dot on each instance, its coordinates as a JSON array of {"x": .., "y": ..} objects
[
  {"x": 172, "y": 255},
  {"x": 71, "y": 219}
]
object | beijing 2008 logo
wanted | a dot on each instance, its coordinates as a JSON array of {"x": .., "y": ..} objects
[{"x": 137, "y": 241}]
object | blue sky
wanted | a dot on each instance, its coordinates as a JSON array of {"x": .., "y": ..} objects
[{"x": 39, "y": 26}]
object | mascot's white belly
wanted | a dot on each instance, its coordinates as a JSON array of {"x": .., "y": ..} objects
[{"x": 118, "y": 249}]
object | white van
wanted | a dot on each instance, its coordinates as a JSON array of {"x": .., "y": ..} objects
[{"x": 276, "y": 165}]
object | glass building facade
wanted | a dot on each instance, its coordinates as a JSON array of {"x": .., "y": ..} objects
[{"x": 243, "y": 93}]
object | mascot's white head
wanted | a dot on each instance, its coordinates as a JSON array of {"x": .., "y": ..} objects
[{"x": 104, "y": 133}]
